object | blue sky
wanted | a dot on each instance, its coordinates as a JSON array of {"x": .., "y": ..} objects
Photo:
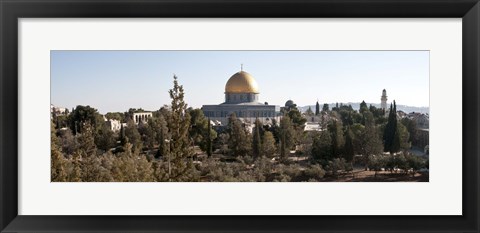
[{"x": 118, "y": 80}]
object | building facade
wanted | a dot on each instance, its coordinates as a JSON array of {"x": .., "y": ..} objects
[
  {"x": 141, "y": 117},
  {"x": 242, "y": 98}
]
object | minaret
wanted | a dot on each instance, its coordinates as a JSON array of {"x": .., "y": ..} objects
[{"x": 384, "y": 100}]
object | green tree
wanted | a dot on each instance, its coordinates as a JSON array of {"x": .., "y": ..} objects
[
  {"x": 411, "y": 126},
  {"x": 325, "y": 108},
  {"x": 317, "y": 109},
  {"x": 363, "y": 107},
  {"x": 58, "y": 171},
  {"x": 257, "y": 140},
  {"x": 68, "y": 142},
  {"x": 322, "y": 148},
  {"x": 268, "y": 145},
  {"x": 297, "y": 119},
  {"x": 390, "y": 130},
  {"x": 238, "y": 140},
  {"x": 309, "y": 111},
  {"x": 401, "y": 140},
  {"x": 105, "y": 139},
  {"x": 86, "y": 140},
  {"x": 162, "y": 136},
  {"x": 115, "y": 116},
  {"x": 349, "y": 147},
  {"x": 180, "y": 166},
  {"x": 209, "y": 139},
  {"x": 414, "y": 163},
  {"x": 147, "y": 133},
  {"x": 287, "y": 136},
  {"x": 132, "y": 135},
  {"x": 199, "y": 129},
  {"x": 370, "y": 142},
  {"x": 82, "y": 115},
  {"x": 377, "y": 162},
  {"x": 335, "y": 129}
]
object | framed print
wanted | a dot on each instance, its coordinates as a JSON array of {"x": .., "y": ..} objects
[{"x": 248, "y": 116}]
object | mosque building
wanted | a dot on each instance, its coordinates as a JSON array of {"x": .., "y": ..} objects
[{"x": 242, "y": 98}]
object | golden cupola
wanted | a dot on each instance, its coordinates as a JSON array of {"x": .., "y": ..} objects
[{"x": 241, "y": 82}]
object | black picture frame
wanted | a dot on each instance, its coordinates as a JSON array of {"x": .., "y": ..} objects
[{"x": 11, "y": 11}]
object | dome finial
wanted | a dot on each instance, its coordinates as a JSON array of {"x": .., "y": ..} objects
[{"x": 241, "y": 67}]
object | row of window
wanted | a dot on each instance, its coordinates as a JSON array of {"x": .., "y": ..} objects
[
  {"x": 233, "y": 97},
  {"x": 240, "y": 113}
]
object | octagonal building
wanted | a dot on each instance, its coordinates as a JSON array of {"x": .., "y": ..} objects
[{"x": 242, "y": 98}]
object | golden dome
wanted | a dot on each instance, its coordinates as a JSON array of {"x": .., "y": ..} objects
[{"x": 241, "y": 82}]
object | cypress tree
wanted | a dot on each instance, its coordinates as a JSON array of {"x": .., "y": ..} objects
[
  {"x": 387, "y": 134},
  {"x": 336, "y": 135},
  {"x": 257, "y": 143},
  {"x": 395, "y": 134},
  {"x": 209, "y": 139},
  {"x": 349, "y": 151},
  {"x": 317, "y": 109},
  {"x": 391, "y": 131},
  {"x": 283, "y": 152}
]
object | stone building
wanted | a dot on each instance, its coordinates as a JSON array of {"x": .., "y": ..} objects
[
  {"x": 114, "y": 125},
  {"x": 242, "y": 98},
  {"x": 141, "y": 117}
]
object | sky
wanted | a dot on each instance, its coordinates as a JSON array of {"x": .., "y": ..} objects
[{"x": 114, "y": 81}]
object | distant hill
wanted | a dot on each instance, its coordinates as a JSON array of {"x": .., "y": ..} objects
[{"x": 356, "y": 106}]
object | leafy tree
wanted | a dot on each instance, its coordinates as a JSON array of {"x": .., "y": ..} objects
[
  {"x": 411, "y": 126},
  {"x": 378, "y": 114},
  {"x": 325, "y": 108},
  {"x": 199, "y": 129},
  {"x": 130, "y": 166},
  {"x": 415, "y": 163},
  {"x": 287, "y": 136},
  {"x": 68, "y": 142},
  {"x": 147, "y": 133},
  {"x": 322, "y": 147},
  {"x": 363, "y": 107},
  {"x": 370, "y": 143},
  {"x": 58, "y": 171},
  {"x": 335, "y": 165},
  {"x": 403, "y": 137},
  {"x": 222, "y": 143},
  {"x": 238, "y": 140},
  {"x": 268, "y": 145},
  {"x": 349, "y": 147},
  {"x": 82, "y": 115},
  {"x": 376, "y": 163},
  {"x": 86, "y": 140},
  {"x": 297, "y": 119},
  {"x": 115, "y": 116},
  {"x": 61, "y": 121},
  {"x": 132, "y": 135},
  {"x": 105, "y": 139}
]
